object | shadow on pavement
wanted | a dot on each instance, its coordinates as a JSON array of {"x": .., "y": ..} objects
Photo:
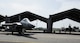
[{"x": 25, "y": 35}]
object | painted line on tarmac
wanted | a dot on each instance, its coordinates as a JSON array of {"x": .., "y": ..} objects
[{"x": 15, "y": 42}]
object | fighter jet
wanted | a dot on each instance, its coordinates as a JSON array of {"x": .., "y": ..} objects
[{"x": 19, "y": 26}]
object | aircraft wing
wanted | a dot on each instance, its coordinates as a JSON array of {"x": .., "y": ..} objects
[
  {"x": 1, "y": 18},
  {"x": 29, "y": 15}
]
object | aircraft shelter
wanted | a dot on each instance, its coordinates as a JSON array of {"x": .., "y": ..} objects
[{"x": 73, "y": 14}]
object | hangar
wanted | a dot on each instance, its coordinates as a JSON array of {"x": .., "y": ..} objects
[
  {"x": 73, "y": 14},
  {"x": 19, "y": 17}
]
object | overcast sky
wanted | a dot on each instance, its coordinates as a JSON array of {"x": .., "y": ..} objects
[{"x": 40, "y": 7}]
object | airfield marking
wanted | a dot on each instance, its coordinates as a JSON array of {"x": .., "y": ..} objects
[{"x": 17, "y": 42}]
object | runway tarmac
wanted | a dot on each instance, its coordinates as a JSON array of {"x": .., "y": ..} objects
[{"x": 6, "y": 37}]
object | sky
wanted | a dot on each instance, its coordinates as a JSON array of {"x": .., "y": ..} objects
[{"x": 40, "y": 7}]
